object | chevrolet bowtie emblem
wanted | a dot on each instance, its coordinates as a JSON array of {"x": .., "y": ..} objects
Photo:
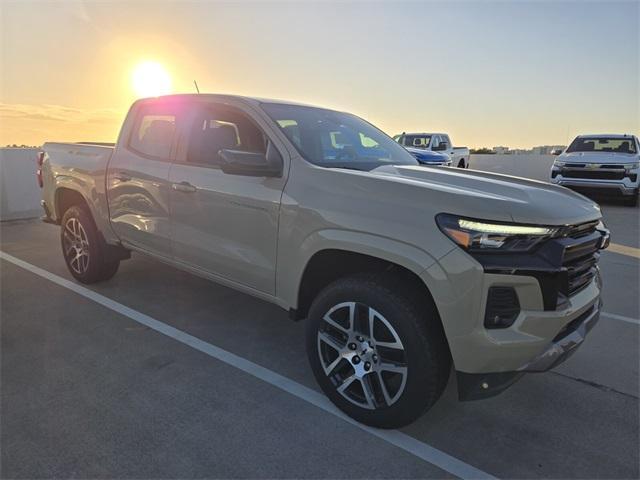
[{"x": 591, "y": 165}]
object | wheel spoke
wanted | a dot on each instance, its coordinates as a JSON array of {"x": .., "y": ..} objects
[
  {"x": 83, "y": 235},
  {"x": 367, "y": 388},
  {"x": 397, "y": 345},
  {"x": 75, "y": 261},
  {"x": 68, "y": 243},
  {"x": 392, "y": 367},
  {"x": 327, "y": 318},
  {"x": 331, "y": 367},
  {"x": 329, "y": 340},
  {"x": 372, "y": 321},
  {"x": 383, "y": 387},
  {"x": 345, "y": 384},
  {"x": 85, "y": 260},
  {"x": 69, "y": 231}
]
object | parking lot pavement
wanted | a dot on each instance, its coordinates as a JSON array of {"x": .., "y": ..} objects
[
  {"x": 87, "y": 392},
  {"x": 624, "y": 223}
]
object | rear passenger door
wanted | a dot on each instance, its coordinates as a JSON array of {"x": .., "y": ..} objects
[
  {"x": 138, "y": 177},
  {"x": 225, "y": 224}
]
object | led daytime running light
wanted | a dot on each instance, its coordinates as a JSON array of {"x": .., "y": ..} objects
[{"x": 503, "y": 229}]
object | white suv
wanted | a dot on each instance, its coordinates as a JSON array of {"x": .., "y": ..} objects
[{"x": 600, "y": 164}]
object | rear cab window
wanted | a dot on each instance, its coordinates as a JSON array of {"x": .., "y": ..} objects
[{"x": 154, "y": 131}]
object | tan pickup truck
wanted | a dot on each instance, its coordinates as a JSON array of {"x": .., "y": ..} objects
[{"x": 401, "y": 272}]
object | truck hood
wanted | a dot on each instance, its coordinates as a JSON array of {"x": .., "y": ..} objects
[
  {"x": 599, "y": 157},
  {"x": 493, "y": 196},
  {"x": 423, "y": 155}
]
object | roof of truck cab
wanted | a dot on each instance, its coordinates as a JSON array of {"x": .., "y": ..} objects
[
  {"x": 222, "y": 96},
  {"x": 607, "y": 135},
  {"x": 424, "y": 133}
]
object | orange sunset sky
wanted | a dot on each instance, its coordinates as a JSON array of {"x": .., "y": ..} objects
[{"x": 489, "y": 73}]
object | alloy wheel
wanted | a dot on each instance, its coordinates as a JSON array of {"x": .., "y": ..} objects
[
  {"x": 76, "y": 246},
  {"x": 362, "y": 355}
]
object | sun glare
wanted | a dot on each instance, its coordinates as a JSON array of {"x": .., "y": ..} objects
[{"x": 150, "y": 79}]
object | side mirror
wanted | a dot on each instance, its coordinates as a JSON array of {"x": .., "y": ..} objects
[
  {"x": 236, "y": 162},
  {"x": 556, "y": 152},
  {"x": 439, "y": 147}
]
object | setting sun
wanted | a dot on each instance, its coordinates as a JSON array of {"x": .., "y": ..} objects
[{"x": 150, "y": 79}]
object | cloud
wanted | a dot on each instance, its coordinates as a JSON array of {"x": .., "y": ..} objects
[{"x": 58, "y": 113}]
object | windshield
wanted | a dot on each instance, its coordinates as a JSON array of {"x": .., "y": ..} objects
[
  {"x": 602, "y": 144},
  {"x": 334, "y": 139},
  {"x": 417, "y": 141}
]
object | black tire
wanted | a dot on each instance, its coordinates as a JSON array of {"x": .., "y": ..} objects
[
  {"x": 417, "y": 325},
  {"x": 88, "y": 261},
  {"x": 461, "y": 163}
]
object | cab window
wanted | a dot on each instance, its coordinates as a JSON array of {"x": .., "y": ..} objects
[{"x": 222, "y": 128}]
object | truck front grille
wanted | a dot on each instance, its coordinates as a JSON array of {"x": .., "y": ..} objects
[
  {"x": 580, "y": 273},
  {"x": 581, "y": 258},
  {"x": 595, "y": 174},
  {"x": 563, "y": 266}
]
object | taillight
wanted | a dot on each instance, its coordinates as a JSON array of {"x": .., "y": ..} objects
[{"x": 39, "y": 170}]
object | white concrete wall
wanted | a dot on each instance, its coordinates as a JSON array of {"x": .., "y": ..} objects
[
  {"x": 536, "y": 167},
  {"x": 19, "y": 191}
]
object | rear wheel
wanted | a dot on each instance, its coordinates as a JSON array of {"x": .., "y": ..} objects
[
  {"x": 85, "y": 253},
  {"x": 378, "y": 355},
  {"x": 461, "y": 163}
]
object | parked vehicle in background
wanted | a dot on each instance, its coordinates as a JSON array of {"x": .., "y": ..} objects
[
  {"x": 601, "y": 165},
  {"x": 435, "y": 142},
  {"x": 400, "y": 270},
  {"x": 427, "y": 157}
]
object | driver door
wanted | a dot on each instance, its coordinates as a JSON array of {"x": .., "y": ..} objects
[{"x": 224, "y": 224}]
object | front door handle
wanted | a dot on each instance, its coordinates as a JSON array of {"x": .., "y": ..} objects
[{"x": 184, "y": 187}]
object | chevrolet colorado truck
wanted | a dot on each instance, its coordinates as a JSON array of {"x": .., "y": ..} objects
[
  {"x": 601, "y": 164},
  {"x": 402, "y": 272},
  {"x": 437, "y": 143}
]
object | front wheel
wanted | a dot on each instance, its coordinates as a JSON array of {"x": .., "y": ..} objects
[
  {"x": 379, "y": 356},
  {"x": 84, "y": 250}
]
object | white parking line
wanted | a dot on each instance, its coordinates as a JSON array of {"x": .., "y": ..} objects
[
  {"x": 621, "y": 318},
  {"x": 401, "y": 440}
]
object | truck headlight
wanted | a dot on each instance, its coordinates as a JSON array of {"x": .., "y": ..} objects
[
  {"x": 482, "y": 236},
  {"x": 559, "y": 163},
  {"x": 631, "y": 166}
]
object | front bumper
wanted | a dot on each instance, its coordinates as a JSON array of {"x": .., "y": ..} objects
[
  {"x": 476, "y": 386},
  {"x": 622, "y": 187},
  {"x": 558, "y": 288}
]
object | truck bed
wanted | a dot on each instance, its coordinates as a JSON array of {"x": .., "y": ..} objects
[{"x": 80, "y": 166}]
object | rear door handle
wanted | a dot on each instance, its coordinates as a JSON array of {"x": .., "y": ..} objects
[
  {"x": 122, "y": 177},
  {"x": 184, "y": 187}
]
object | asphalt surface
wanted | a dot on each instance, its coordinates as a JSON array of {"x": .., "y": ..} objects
[{"x": 87, "y": 392}]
